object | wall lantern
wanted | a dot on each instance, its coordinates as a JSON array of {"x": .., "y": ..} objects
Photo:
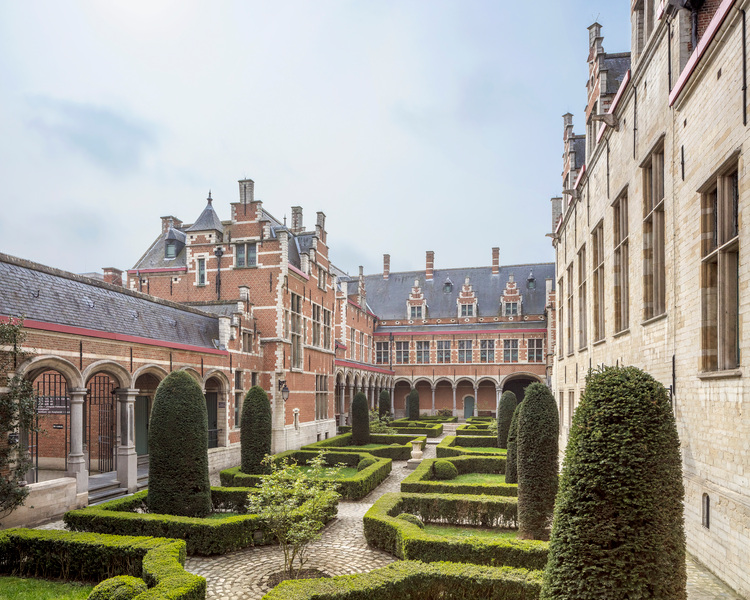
[{"x": 284, "y": 389}]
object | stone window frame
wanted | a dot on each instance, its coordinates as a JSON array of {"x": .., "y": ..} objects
[
  {"x": 321, "y": 397},
  {"x": 582, "y": 299},
  {"x": 241, "y": 255},
  {"x": 296, "y": 331},
  {"x": 570, "y": 291},
  {"x": 238, "y": 395},
  {"x": 719, "y": 268},
  {"x": 535, "y": 350},
  {"x": 560, "y": 322},
  {"x": 706, "y": 511},
  {"x": 317, "y": 325},
  {"x": 415, "y": 312},
  {"x": 466, "y": 310},
  {"x": 621, "y": 261},
  {"x": 321, "y": 278},
  {"x": 423, "y": 351},
  {"x": 487, "y": 351},
  {"x": 443, "y": 351},
  {"x": 201, "y": 274},
  {"x": 382, "y": 353},
  {"x": 327, "y": 315},
  {"x": 597, "y": 249},
  {"x": 402, "y": 352},
  {"x": 510, "y": 350},
  {"x": 654, "y": 262},
  {"x": 465, "y": 348},
  {"x": 510, "y": 309}
]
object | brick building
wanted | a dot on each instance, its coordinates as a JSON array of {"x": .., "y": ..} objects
[{"x": 649, "y": 249}]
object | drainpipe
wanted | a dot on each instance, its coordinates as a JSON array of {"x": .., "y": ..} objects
[{"x": 219, "y": 252}]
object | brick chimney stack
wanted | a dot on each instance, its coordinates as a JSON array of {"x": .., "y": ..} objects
[
  {"x": 429, "y": 266},
  {"x": 320, "y": 226},
  {"x": 496, "y": 261},
  {"x": 297, "y": 219},
  {"x": 113, "y": 276},
  {"x": 386, "y": 265},
  {"x": 247, "y": 191},
  {"x": 170, "y": 221},
  {"x": 567, "y": 126}
]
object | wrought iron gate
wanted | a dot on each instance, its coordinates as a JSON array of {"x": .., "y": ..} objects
[
  {"x": 52, "y": 399},
  {"x": 101, "y": 420}
]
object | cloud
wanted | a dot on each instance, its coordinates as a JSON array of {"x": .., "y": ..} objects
[{"x": 110, "y": 140}]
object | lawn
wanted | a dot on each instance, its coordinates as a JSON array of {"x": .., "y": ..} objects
[
  {"x": 474, "y": 533},
  {"x": 343, "y": 473},
  {"x": 483, "y": 449},
  {"x": 18, "y": 588},
  {"x": 479, "y": 478}
]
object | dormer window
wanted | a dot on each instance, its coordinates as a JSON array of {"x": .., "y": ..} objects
[
  {"x": 448, "y": 286},
  {"x": 511, "y": 309},
  {"x": 531, "y": 281},
  {"x": 170, "y": 250},
  {"x": 467, "y": 310},
  {"x": 416, "y": 312}
]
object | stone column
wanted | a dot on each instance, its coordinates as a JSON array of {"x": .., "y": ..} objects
[
  {"x": 127, "y": 459},
  {"x": 342, "y": 407},
  {"x": 497, "y": 400},
  {"x": 454, "y": 402},
  {"x": 476, "y": 400},
  {"x": 223, "y": 418},
  {"x": 393, "y": 402},
  {"x": 433, "y": 399},
  {"x": 76, "y": 459}
]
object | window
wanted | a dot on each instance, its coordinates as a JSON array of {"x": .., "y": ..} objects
[
  {"x": 402, "y": 353},
  {"x": 237, "y": 408},
  {"x": 621, "y": 263},
  {"x": 416, "y": 312},
  {"x": 510, "y": 351},
  {"x": 247, "y": 341},
  {"x": 321, "y": 397},
  {"x": 170, "y": 250},
  {"x": 444, "y": 351},
  {"x": 560, "y": 404},
  {"x": 201, "y": 271},
  {"x": 571, "y": 407},
  {"x": 362, "y": 346},
  {"x": 326, "y": 328},
  {"x": 706, "y": 511},
  {"x": 254, "y": 379},
  {"x": 487, "y": 351},
  {"x": 511, "y": 309},
  {"x": 653, "y": 237},
  {"x": 597, "y": 244},
  {"x": 560, "y": 322},
  {"x": 423, "y": 352},
  {"x": 569, "y": 307},
  {"x": 582, "y": 316},
  {"x": 296, "y": 331},
  {"x": 352, "y": 344},
  {"x": 467, "y": 310},
  {"x": 238, "y": 379},
  {"x": 316, "y": 325},
  {"x": 381, "y": 353},
  {"x": 720, "y": 275},
  {"x": 464, "y": 351},
  {"x": 321, "y": 278},
  {"x": 246, "y": 255},
  {"x": 536, "y": 350}
]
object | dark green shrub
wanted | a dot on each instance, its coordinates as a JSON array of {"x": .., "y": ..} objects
[
  {"x": 618, "y": 530},
  {"x": 511, "y": 459},
  {"x": 384, "y": 404},
  {"x": 255, "y": 431},
  {"x": 360, "y": 420},
  {"x": 364, "y": 463},
  {"x": 505, "y": 410},
  {"x": 413, "y": 519},
  {"x": 422, "y": 481},
  {"x": 537, "y": 448},
  {"x": 443, "y": 470},
  {"x": 413, "y": 405},
  {"x": 178, "y": 449},
  {"x": 122, "y": 587}
]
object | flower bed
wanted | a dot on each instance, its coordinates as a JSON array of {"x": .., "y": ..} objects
[
  {"x": 395, "y": 447},
  {"x": 473, "y": 445},
  {"x": 421, "y": 480},
  {"x": 350, "y": 488},
  {"x": 94, "y": 557}
]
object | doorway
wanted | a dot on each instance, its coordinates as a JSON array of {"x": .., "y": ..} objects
[
  {"x": 142, "y": 413},
  {"x": 468, "y": 407}
]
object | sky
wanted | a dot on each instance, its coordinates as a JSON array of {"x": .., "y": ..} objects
[{"x": 413, "y": 125}]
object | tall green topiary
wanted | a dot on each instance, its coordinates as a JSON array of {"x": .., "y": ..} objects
[
  {"x": 505, "y": 410},
  {"x": 618, "y": 530},
  {"x": 360, "y": 420},
  {"x": 413, "y": 405},
  {"x": 511, "y": 458},
  {"x": 384, "y": 404},
  {"x": 537, "y": 448},
  {"x": 178, "y": 449},
  {"x": 255, "y": 432}
]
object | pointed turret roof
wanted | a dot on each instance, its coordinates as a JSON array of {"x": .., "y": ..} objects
[{"x": 209, "y": 220}]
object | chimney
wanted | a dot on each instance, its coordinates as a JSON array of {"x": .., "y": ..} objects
[
  {"x": 567, "y": 126},
  {"x": 429, "y": 266},
  {"x": 297, "y": 219},
  {"x": 247, "y": 191},
  {"x": 113, "y": 276},
  {"x": 595, "y": 33},
  {"x": 496, "y": 261},
  {"x": 320, "y": 226},
  {"x": 170, "y": 221},
  {"x": 556, "y": 212},
  {"x": 386, "y": 265},
  {"x": 361, "y": 293}
]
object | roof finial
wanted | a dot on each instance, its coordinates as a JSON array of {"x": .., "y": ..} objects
[
  {"x": 284, "y": 220},
  {"x": 210, "y": 200}
]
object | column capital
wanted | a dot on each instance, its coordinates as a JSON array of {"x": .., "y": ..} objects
[
  {"x": 126, "y": 394},
  {"x": 77, "y": 394}
]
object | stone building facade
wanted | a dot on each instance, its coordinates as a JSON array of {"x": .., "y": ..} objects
[{"x": 649, "y": 241}]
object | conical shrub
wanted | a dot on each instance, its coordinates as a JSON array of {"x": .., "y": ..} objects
[
  {"x": 537, "y": 448},
  {"x": 511, "y": 458},
  {"x": 384, "y": 404},
  {"x": 360, "y": 420},
  {"x": 618, "y": 530},
  {"x": 255, "y": 431},
  {"x": 413, "y": 405},
  {"x": 178, "y": 449},
  {"x": 505, "y": 410}
]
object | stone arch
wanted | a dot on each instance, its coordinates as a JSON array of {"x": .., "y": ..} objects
[
  {"x": 427, "y": 380},
  {"x": 517, "y": 382},
  {"x": 36, "y": 365},
  {"x": 153, "y": 370},
  {"x": 115, "y": 370},
  {"x": 447, "y": 380},
  {"x": 220, "y": 376},
  {"x": 195, "y": 375}
]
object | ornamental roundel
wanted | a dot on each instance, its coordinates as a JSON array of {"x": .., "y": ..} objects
[
  {"x": 411, "y": 322},
  {"x": 511, "y": 318}
]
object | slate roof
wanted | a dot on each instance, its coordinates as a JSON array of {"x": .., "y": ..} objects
[
  {"x": 41, "y": 293},
  {"x": 616, "y": 66},
  {"x": 208, "y": 220},
  {"x": 387, "y": 297},
  {"x": 154, "y": 257}
]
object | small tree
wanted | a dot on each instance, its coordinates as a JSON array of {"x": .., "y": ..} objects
[
  {"x": 294, "y": 506},
  {"x": 255, "y": 431},
  {"x": 178, "y": 449},
  {"x": 17, "y": 418},
  {"x": 537, "y": 448},
  {"x": 505, "y": 410},
  {"x": 380, "y": 424},
  {"x": 384, "y": 404},
  {"x": 618, "y": 530},
  {"x": 360, "y": 420},
  {"x": 511, "y": 458},
  {"x": 413, "y": 405}
]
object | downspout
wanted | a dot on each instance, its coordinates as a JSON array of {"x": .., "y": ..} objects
[{"x": 744, "y": 67}]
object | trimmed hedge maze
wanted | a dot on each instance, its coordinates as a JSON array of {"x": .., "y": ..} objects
[
  {"x": 422, "y": 480},
  {"x": 350, "y": 488},
  {"x": 94, "y": 557},
  {"x": 454, "y": 445},
  {"x": 395, "y": 447}
]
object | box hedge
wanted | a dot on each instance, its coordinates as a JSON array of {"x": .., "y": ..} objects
[
  {"x": 422, "y": 480},
  {"x": 95, "y": 557},
  {"x": 350, "y": 488},
  {"x": 385, "y": 531},
  {"x": 203, "y": 536},
  {"x": 343, "y": 443},
  {"x": 417, "y": 428},
  {"x": 255, "y": 431},
  {"x": 412, "y": 580},
  {"x": 480, "y": 430},
  {"x": 453, "y": 445}
]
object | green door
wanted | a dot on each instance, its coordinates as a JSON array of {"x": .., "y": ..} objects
[
  {"x": 468, "y": 407},
  {"x": 142, "y": 412},
  {"x": 213, "y": 419}
]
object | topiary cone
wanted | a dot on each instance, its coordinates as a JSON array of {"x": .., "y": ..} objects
[
  {"x": 384, "y": 404},
  {"x": 511, "y": 458},
  {"x": 505, "y": 410},
  {"x": 413, "y": 405},
  {"x": 178, "y": 449},
  {"x": 255, "y": 431},
  {"x": 360, "y": 420}
]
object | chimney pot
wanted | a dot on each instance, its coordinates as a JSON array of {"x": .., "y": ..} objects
[
  {"x": 430, "y": 263},
  {"x": 386, "y": 265}
]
